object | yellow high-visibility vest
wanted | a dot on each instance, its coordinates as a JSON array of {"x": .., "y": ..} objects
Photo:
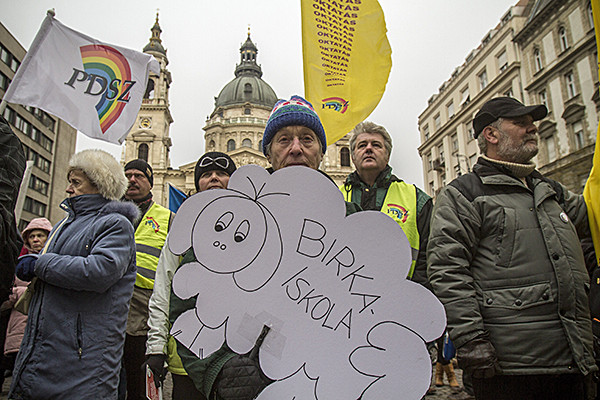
[
  {"x": 400, "y": 204},
  {"x": 150, "y": 237}
]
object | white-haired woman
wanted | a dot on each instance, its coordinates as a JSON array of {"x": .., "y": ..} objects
[{"x": 84, "y": 279}]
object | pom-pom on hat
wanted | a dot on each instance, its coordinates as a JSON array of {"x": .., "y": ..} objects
[
  {"x": 295, "y": 111},
  {"x": 143, "y": 167},
  {"x": 211, "y": 161}
]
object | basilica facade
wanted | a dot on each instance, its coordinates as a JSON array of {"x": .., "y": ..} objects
[{"x": 235, "y": 126}]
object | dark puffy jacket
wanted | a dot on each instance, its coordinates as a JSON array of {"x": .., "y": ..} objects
[
  {"x": 505, "y": 259},
  {"x": 74, "y": 339},
  {"x": 12, "y": 166}
]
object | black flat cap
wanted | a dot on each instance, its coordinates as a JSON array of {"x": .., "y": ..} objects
[{"x": 505, "y": 107}]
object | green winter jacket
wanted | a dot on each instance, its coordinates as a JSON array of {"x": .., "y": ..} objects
[{"x": 505, "y": 259}]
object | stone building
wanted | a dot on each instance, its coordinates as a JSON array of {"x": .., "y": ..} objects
[
  {"x": 149, "y": 138},
  {"x": 242, "y": 108},
  {"x": 235, "y": 126},
  {"x": 560, "y": 70},
  {"x": 539, "y": 48},
  {"x": 241, "y": 111},
  {"x": 48, "y": 143}
]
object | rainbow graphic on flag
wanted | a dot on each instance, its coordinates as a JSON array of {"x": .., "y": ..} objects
[
  {"x": 106, "y": 62},
  {"x": 335, "y": 103}
]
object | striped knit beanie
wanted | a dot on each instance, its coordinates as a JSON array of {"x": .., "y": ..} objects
[{"x": 295, "y": 111}]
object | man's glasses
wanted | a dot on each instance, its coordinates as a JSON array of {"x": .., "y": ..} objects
[{"x": 219, "y": 161}]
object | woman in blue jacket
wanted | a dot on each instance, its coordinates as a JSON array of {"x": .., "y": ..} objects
[{"x": 83, "y": 282}]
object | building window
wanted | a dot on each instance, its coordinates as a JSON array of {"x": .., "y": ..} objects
[
  {"x": 473, "y": 159},
  {"x": 590, "y": 15},
  {"x": 247, "y": 111},
  {"x": 149, "y": 94},
  {"x": 4, "y": 81},
  {"x": 450, "y": 109},
  {"x": 9, "y": 115},
  {"x": 483, "y": 80},
  {"x": 247, "y": 143},
  {"x": 38, "y": 160},
  {"x": 5, "y": 56},
  {"x": 14, "y": 64},
  {"x": 260, "y": 145},
  {"x": 344, "y": 157},
  {"x": 46, "y": 142},
  {"x": 464, "y": 96},
  {"x": 582, "y": 181},
  {"x": 429, "y": 163},
  {"x": 550, "y": 148},
  {"x": 454, "y": 141},
  {"x": 247, "y": 91},
  {"x": 230, "y": 145},
  {"x": 578, "y": 136},
  {"x": 543, "y": 98},
  {"x": 143, "y": 152},
  {"x": 211, "y": 145},
  {"x": 457, "y": 170},
  {"x": 426, "y": 132},
  {"x": 38, "y": 185},
  {"x": 437, "y": 121},
  {"x": 34, "y": 207},
  {"x": 502, "y": 61},
  {"x": 470, "y": 130},
  {"x": 570, "y": 82},
  {"x": 562, "y": 39},
  {"x": 537, "y": 60}
]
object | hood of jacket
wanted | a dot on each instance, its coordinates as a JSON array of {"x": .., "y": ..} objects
[{"x": 90, "y": 203}]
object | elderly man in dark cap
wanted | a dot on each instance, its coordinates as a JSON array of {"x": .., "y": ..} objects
[
  {"x": 150, "y": 235},
  {"x": 505, "y": 259}
]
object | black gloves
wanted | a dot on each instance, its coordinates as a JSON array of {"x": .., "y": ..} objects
[
  {"x": 156, "y": 362},
  {"x": 25, "y": 267},
  {"x": 478, "y": 358}
]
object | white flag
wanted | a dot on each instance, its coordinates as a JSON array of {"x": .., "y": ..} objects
[{"x": 95, "y": 87}]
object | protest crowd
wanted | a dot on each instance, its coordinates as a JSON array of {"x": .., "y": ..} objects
[{"x": 506, "y": 250}]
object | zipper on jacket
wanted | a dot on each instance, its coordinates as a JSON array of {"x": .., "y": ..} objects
[{"x": 79, "y": 333}]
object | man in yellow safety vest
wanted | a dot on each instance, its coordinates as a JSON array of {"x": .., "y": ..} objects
[{"x": 150, "y": 235}]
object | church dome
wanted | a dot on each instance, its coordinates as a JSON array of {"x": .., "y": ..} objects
[
  {"x": 155, "y": 44},
  {"x": 247, "y": 85}
]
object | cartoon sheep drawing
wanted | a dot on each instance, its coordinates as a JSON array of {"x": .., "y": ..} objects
[{"x": 229, "y": 236}]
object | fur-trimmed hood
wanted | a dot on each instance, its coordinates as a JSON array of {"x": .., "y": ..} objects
[
  {"x": 102, "y": 170},
  {"x": 125, "y": 208}
]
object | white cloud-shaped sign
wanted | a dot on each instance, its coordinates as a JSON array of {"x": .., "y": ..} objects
[{"x": 278, "y": 250}]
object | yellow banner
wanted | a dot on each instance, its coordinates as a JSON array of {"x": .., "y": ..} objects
[
  {"x": 591, "y": 192},
  {"x": 347, "y": 61}
]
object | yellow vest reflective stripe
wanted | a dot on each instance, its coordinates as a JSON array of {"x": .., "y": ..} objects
[
  {"x": 150, "y": 237},
  {"x": 400, "y": 203},
  {"x": 175, "y": 365}
]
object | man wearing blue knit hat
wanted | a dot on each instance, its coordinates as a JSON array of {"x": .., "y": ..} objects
[{"x": 294, "y": 135}]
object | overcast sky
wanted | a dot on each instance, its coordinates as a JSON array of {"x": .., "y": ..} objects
[{"x": 429, "y": 39}]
